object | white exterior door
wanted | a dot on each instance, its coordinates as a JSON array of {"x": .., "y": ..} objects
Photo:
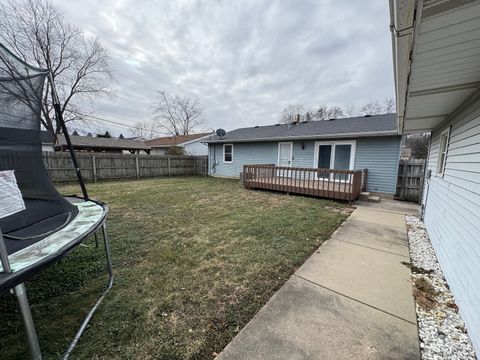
[
  {"x": 285, "y": 150},
  {"x": 285, "y": 154}
]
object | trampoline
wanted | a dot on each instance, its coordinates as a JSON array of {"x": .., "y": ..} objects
[{"x": 38, "y": 226}]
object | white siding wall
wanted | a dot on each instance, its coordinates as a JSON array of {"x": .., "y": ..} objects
[
  {"x": 196, "y": 148},
  {"x": 452, "y": 213},
  {"x": 158, "y": 151}
]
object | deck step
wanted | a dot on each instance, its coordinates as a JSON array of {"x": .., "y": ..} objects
[
  {"x": 364, "y": 196},
  {"x": 374, "y": 199}
]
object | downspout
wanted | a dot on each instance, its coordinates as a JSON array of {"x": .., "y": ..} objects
[{"x": 427, "y": 176}]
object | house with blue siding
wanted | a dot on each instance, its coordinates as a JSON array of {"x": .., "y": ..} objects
[
  {"x": 437, "y": 74},
  {"x": 367, "y": 142}
]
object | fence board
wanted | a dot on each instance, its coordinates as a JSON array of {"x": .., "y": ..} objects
[
  {"x": 411, "y": 175},
  {"x": 107, "y": 166}
]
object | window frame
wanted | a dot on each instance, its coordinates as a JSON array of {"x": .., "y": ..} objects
[
  {"x": 441, "y": 161},
  {"x": 231, "y": 154},
  {"x": 353, "y": 143}
]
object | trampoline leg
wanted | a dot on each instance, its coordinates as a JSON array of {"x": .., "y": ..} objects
[
  {"x": 85, "y": 322},
  {"x": 21, "y": 294},
  {"x": 107, "y": 252},
  {"x": 96, "y": 240}
]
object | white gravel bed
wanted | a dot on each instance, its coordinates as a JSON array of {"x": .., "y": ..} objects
[{"x": 441, "y": 328}]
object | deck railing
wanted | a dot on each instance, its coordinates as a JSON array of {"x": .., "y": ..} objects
[{"x": 328, "y": 183}]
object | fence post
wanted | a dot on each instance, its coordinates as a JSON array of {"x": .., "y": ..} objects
[
  {"x": 194, "y": 163},
  {"x": 94, "y": 167},
  {"x": 169, "y": 172},
  {"x": 404, "y": 179},
  {"x": 136, "y": 167}
]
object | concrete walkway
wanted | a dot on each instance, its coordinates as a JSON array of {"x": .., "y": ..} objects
[{"x": 352, "y": 299}]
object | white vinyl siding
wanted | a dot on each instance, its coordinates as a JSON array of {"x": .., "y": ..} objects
[
  {"x": 452, "y": 212},
  {"x": 196, "y": 148}
]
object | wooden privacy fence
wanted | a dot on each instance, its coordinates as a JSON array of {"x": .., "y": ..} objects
[
  {"x": 411, "y": 177},
  {"x": 106, "y": 166},
  {"x": 328, "y": 183}
]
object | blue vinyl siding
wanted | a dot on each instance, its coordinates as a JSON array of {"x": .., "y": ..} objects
[
  {"x": 243, "y": 153},
  {"x": 379, "y": 154},
  {"x": 452, "y": 213}
]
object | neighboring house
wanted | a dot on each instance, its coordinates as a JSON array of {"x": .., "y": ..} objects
[
  {"x": 436, "y": 47},
  {"x": 101, "y": 144},
  {"x": 191, "y": 144},
  {"x": 370, "y": 142},
  {"x": 47, "y": 140}
]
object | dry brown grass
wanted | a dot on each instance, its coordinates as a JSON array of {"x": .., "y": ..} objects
[{"x": 424, "y": 292}]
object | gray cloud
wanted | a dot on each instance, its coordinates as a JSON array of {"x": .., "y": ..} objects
[{"x": 244, "y": 60}]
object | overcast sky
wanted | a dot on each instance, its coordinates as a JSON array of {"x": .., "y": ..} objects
[{"x": 244, "y": 60}]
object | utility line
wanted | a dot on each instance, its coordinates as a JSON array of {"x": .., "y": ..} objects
[{"x": 122, "y": 124}]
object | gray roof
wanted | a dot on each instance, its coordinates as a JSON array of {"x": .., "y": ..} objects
[
  {"x": 46, "y": 137},
  {"x": 363, "y": 126},
  {"x": 100, "y": 142}
]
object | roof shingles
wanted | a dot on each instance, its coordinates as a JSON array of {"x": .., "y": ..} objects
[
  {"x": 384, "y": 124},
  {"x": 100, "y": 142}
]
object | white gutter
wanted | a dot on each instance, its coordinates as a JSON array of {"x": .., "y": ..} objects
[{"x": 402, "y": 27}]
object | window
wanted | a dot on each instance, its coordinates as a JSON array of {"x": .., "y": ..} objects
[
  {"x": 442, "y": 155},
  {"x": 339, "y": 155},
  {"x": 227, "y": 153}
]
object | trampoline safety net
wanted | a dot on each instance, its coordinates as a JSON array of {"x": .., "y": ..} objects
[{"x": 21, "y": 89}]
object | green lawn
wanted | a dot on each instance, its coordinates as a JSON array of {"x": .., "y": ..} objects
[{"x": 194, "y": 258}]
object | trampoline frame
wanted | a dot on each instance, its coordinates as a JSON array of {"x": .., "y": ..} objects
[
  {"x": 21, "y": 295},
  {"x": 18, "y": 286}
]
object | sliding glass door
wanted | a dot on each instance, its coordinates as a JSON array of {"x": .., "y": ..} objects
[{"x": 339, "y": 155}]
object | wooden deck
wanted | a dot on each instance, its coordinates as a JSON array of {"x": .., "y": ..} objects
[{"x": 327, "y": 183}]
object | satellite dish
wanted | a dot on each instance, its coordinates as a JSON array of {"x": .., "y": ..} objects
[{"x": 221, "y": 132}]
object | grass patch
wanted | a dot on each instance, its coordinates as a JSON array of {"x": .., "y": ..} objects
[{"x": 194, "y": 259}]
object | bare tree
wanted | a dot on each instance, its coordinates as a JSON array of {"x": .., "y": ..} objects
[
  {"x": 145, "y": 129},
  {"x": 389, "y": 105},
  {"x": 325, "y": 112},
  {"x": 292, "y": 113},
  {"x": 38, "y": 33},
  {"x": 377, "y": 107},
  {"x": 419, "y": 143},
  {"x": 178, "y": 115}
]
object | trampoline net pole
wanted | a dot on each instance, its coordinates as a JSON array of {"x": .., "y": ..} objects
[
  {"x": 58, "y": 113},
  {"x": 21, "y": 294},
  {"x": 4, "y": 255}
]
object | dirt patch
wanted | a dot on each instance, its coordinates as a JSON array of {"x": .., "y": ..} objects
[
  {"x": 425, "y": 293},
  {"x": 416, "y": 269}
]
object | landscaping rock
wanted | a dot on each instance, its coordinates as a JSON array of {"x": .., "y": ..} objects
[{"x": 441, "y": 329}]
